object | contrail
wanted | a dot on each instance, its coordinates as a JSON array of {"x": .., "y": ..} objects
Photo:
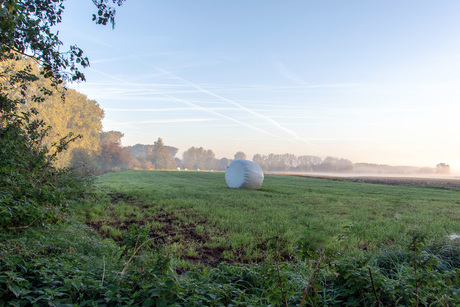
[
  {"x": 203, "y": 90},
  {"x": 275, "y": 123},
  {"x": 197, "y": 107},
  {"x": 224, "y": 116}
]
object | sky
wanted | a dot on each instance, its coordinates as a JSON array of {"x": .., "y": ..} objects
[{"x": 368, "y": 81}]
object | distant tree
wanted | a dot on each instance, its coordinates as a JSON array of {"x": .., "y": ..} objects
[
  {"x": 160, "y": 156},
  {"x": 209, "y": 160},
  {"x": 172, "y": 151},
  {"x": 261, "y": 161},
  {"x": 191, "y": 157},
  {"x": 177, "y": 163},
  {"x": 221, "y": 164},
  {"x": 240, "y": 155},
  {"x": 112, "y": 156},
  {"x": 307, "y": 163},
  {"x": 289, "y": 162},
  {"x": 276, "y": 162},
  {"x": 199, "y": 158},
  {"x": 331, "y": 164},
  {"x": 142, "y": 163},
  {"x": 141, "y": 150},
  {"x": 443, "y": 168},
  {"x": 110, "y": 137}
]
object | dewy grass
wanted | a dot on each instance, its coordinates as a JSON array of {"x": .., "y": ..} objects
[{"x": 204, "y": 215}]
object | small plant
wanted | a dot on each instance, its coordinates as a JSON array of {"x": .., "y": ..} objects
[
  {"x": 421, "y": 262},
  {"x": 134, "y": 238}
]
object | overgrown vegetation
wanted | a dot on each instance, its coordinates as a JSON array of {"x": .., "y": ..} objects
[
  {"x": 161, "y": 256},
  {"x": 32, "y": 191},
  {"x": 73, "y": 265}
]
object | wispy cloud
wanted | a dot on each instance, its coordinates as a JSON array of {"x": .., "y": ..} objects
[
  {"x": 282, "y": 69},
  {"x": 227, "y": 117},
  {"x": 116, "y": 59},
  {"x": 198, "y": 107},
  {"x": 167, "y": 109},
  {"x": 205, "y": 91},
  {"x": 173, "y": 120}
]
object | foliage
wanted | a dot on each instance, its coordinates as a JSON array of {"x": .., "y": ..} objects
[
  {"x": 157, "y": 156},
  {"x": 160, "y": 157},
  {"x": 55, "y": 268},
  {"x": 72, "y": 265},
  {"x": 289, "y": 162},
  {"x": 110, "y": 137},
  {"x": 239, "y": 155},
  {"x": 32, "y": 190},
  {"x": 112, "y": 156},
  {"x": 26, "y": 28},
  {"x": 83, "y": 162},
  {"x": 77, "y": 114},
  {"x": 442, "y": 168},
  {"x": 199, "y": 158}
]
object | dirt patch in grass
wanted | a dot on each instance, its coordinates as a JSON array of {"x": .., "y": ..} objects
[
  {"x": 174, "y": 230},
  {"x": 207, "y": 256},
  {"x": 117, "y": 197},
  {"x": 181, "y": 228},
  {"x": 169, "y": 228}
]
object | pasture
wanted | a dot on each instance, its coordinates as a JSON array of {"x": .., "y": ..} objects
[
  {"x": 197, "y": 219},
  {"x": 321, "y": 242}
]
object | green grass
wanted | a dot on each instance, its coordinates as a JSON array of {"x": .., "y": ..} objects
[
  {"x": 209, "y": 222},
  {"x": 203, "y": 222}
]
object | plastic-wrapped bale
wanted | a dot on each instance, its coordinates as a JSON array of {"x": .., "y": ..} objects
[{"x": 244, "y": 174}]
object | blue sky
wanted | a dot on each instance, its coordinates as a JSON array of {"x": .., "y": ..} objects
[{"x": 370, "y": 81}]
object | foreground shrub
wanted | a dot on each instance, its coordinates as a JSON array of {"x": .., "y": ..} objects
[
  {"x": 32, "y": 190},
  {"x": 55, "y": 268}
]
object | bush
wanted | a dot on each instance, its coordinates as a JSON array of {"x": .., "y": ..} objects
[{"x": 32, "y": 191}]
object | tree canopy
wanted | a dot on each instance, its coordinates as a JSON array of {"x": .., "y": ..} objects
[
  {"x": 240, "y": 155},
  {"x": 26, "y": 28}
]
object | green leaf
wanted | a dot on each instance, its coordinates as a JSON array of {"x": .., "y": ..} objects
[
  {"x": 148, "y": 302},
  {"x": 15, "y": 289},
  {"x": 162, "y": 303}
]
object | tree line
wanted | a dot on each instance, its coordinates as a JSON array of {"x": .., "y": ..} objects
[{"x": 161, "y": 156}]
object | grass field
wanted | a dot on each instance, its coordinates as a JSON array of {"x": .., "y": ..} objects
[
  {"x": 198, "y": 219},
  {"x": 324, "y": 242}
]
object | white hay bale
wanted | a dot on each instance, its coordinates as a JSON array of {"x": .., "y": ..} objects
[{"x": 244, "y": 174}]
